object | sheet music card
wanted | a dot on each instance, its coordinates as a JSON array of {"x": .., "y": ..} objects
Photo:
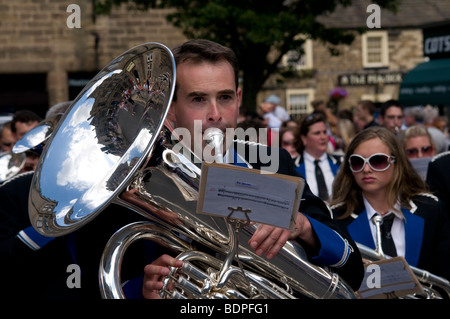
[
  {"x": 271, "y": 199},
  {"x": 388, "y": 278}
]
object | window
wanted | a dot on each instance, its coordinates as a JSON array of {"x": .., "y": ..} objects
[
  {"x": 291, "y": 58},
  {"x": 299, "y": 102},
  {"x": 375, "y": 49}
]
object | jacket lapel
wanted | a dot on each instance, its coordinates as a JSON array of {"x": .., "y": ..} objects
[
  {"x": 359, "y": 230},
  {"x": 333, "y": 165},
  {"x": 414, "y": 228},
  {"x": 300, "y": 165}
]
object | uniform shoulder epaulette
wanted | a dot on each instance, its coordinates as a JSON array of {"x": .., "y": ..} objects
[
  {"x": 336, "y": 158},
  {"x": 432, "y": 196},
  {"x": 337, "y": 205},
  {"x": 440, "y": 155}
]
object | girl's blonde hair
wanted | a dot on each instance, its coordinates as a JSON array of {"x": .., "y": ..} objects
[{"x": 405, "y": 183}]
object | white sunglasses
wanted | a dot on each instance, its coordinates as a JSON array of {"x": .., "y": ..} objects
[{"x": 378, "y": 162}]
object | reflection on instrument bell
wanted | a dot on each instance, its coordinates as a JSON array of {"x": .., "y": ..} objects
[
  {"x": 10, "y": 165},
  {"x": 33, "y": 139},
  {"x": 26, "y": 151},
  {"x": 102, "y": 139}
]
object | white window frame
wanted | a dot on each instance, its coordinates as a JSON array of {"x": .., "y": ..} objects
[
  {"x": 296, "y": 113},
  {"x": 307, "y": 57},
  {"x": 384, "y": 62}
]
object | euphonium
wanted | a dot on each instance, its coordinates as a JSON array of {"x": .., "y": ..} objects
[{"x": 119, "y": 121}]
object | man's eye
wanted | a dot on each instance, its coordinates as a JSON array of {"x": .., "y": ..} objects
[
  {"x": 226, "y": 98},
  {"x": 198, "y": 99}
]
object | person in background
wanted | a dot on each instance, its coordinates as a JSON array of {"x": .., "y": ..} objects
[
  {"x": 290, "y": 123},
  {"x": 419, "y": 147},
  {"x": 430, "y": 116},
  {"x": 391, "y": 116},
  {"x": 320, "y": 106},
  {"x": 376, "y": 178},
  {"x": 314, "y": 162},
  {"x": 438, "y": 177},
  {"x": 412, "y": 116},
  {"x": 417, "y": 142},
  {"x": 7, "y": 137},
  {"x": 364, "y": 115},
  {"x": 23, "y": 121},
  {"x": 287, "y": 137},
  {"x": 274, "y": 113},
  {"x": 253, "y": 128},
  {"x": 345, "y": 131}
]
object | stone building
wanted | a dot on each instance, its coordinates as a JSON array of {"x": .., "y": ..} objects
[
  {"x": 372, "y": 67},
  {"x": 45, "y": 58}
]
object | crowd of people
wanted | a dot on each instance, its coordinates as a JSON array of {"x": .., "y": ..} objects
[
  {"x": 355, "y": 165},
  {"x": 368, "y": 161}
]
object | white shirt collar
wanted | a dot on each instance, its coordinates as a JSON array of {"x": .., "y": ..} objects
[
  {"x": 371, "y": 211},
  {"x": 310, "y": 158}
]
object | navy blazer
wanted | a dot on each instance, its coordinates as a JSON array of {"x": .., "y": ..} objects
[
  {"x": 427, "y": 233},
  {"x": 438, "y": 177},
  {"x": 334, "y": 161}
]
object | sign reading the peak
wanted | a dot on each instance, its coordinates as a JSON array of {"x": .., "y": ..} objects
[{"x": 356, "y": 79}]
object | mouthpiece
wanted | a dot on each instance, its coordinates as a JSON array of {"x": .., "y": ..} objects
[
  {"x": 214, "y": 136},
  {"x": 378, "y": 220}
]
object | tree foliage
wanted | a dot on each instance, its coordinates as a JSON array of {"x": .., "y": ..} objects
[{"x": 259, "y": 31}]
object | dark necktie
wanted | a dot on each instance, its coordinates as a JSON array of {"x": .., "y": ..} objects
[
  {"x": 321, "y": 185},
  {"x": 387, "y": 242}
]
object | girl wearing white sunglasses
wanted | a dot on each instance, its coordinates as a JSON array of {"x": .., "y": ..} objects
[{"x": 376, "y": 178}]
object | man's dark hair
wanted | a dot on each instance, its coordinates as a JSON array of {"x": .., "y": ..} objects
[
  {"x": 368, "y": 105},
  {"x": 201, "y": 50},
  {"x": 388, "y": 104},
  {"x": 24, "y": 116}
]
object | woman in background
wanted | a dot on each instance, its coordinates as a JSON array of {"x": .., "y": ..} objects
[
  {"x": 376, "y": 178},
  {"x": 312, "y": 142}
]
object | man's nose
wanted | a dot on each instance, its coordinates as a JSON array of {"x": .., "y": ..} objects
[{"x": 214, "y": 114}]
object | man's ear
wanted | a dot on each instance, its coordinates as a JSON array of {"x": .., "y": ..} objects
[
  {"x": 171, "y": 113},
  {"x": 239, "y": 97}
]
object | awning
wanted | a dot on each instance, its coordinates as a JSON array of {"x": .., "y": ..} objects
[{"x": 427, "y": 83}]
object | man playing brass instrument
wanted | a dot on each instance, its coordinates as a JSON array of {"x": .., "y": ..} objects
[{"x": 207, "y": 91}]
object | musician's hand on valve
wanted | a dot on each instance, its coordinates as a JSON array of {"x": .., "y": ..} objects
[
  {"x": 269, "y": 240},
  {"x": 154, "y": 274}
]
